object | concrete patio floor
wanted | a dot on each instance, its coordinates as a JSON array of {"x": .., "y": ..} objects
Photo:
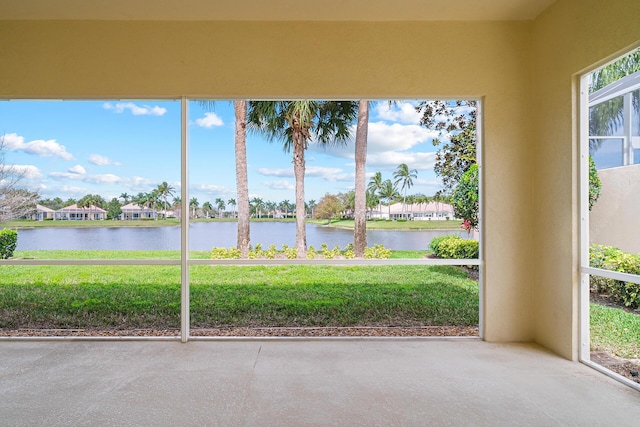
[{"x": 389, "y": 382}]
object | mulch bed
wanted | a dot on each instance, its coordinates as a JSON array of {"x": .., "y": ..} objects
[
  {"x": 628, "y": 368},
  {"x": 424, "y": 331}
]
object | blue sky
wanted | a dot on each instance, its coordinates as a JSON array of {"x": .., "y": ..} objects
[{"x": 72, "y": 148}]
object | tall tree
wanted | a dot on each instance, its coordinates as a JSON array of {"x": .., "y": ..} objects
[
  {"x": 389, "y": 192},
  {"x": 113, "y": 209},
  {"x": 14, "y": 202},
  {"x": 125, "y": 198},
  {"x": 220, "y": 206},
  {"x": 360, "y": 211},
  {"x": 193, "y": 204},
  {"x": 242, "y": 180},
  {"x": 295, "y": 123},
  {"x": 232, "y": 202},
  {"x": 207, "y": 207},
  {"x": 456, "y": 122},
  {"x": 404, "y": 176},
  {"x": 375, "y": 184},
  {"x": 164, "y": 191}
]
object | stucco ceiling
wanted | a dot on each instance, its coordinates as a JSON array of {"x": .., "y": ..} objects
[{"x": 275, "y": 10}]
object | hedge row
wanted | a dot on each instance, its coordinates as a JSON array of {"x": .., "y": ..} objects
[{"x": 613, "y": 259}]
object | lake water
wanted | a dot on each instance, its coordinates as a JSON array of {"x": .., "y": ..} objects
[{"x": 206, "y": 235}]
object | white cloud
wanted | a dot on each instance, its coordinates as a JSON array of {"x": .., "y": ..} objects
[
  {"x": 136, "y": 110},
  {"x": 209, "y": 120},
  {"x": 404, "y": 112},
  {"x": 329, "y": 174},
  {"x": 285, "y": 173},
  {"x": 77, "y": 169},
  {"x": 391, "y": 160},
  {"x": 27, "y": 171},
  {"x": 39, "y": 147},
  {"x": 279, "y": 185},
  {"x": 75, "y": 175},
  {"x": 212, "y": 189},
  {"x": 99, "y": 160}
]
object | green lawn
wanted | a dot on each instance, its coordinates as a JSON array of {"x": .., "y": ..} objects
[
  {"x": 88, "y": 224},
  {"x": 615, "y": 331},
  {"x": 127, "y": 297}
]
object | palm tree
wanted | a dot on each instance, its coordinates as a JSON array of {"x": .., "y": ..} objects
[
  {"x": 388, "y": 192},
  {"x": 164, "y": 191},
  {"x": 125, "y": 198},
  {"x": 258, "y": 205},
  {"x": 232, "y": 202},
  {"x": 405, "y": 177},
  {"x": 177, "y": 206},
  {"x": 360, "y": 210},
  {"x": 193, "y": 204},
  {"x": 375, "y": 184},
  {"x": 312, "y": 206},
  {"x": 207, "y": 207},
  {"x": 242, "y": 180},
  {"x": 220, "y": 205},
  {"x": 271, "y": 208},
  {"x": 295, "y": 123},
  {"x": 285, "y": 206}
]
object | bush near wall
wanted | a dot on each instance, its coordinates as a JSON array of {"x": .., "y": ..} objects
[
  {"x": 613, "y": 259},
  {"x": 8, "y": 243},
  {"x": 454, "y": 247}
]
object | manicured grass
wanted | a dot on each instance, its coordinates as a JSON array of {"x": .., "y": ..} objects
[
  {"x": 88, "y": 224},
  {"x": 615, "y": 331},
  {"x": 103, "y": 255},
  {"x": 394, "y": 225},
  {"x": 125, "y": 297}
]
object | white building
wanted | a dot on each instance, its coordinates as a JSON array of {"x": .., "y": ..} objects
[
  {"x": 42, "y": 213},
  {"x": 133, "y": 211},
  {"x": 432, "y": 211},
  {"x": 75, "y": 213}
]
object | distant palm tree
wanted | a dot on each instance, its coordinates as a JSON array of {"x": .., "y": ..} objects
[
  {"x": 388, "y": 192},
  {"x": 271, "y": 208},
  {"x": 258, "y": 205},
  {"x": 207, "y": 208},
  {"x": 312, "y": 206},
  {"x": 220, "y": 206},
  {"x": 405, "y": 176},
  {"x": 375, "y": 184},
  {"x": 125, "y": 198},
  {"x": 164, "y": 191},
  {"x": 232, "y": 202},
  {"x": 193, "y": 204}
]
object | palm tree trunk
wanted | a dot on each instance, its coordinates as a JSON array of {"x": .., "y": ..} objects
[
  {"x": 360, "y": 209},
  {"x": 242, "y": 182},
  {"x": 298, "y": 171}
]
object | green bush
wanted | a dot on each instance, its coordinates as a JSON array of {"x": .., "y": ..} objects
[
  {"x": 454, "y": 247},
  {"x": 613, "y": 259},
  {"x": 8, "y": 243}
]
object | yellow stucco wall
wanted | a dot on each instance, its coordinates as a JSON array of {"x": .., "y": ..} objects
[
  {"x": 283, "y": 59},
  {"x": 568, "y": 38}
]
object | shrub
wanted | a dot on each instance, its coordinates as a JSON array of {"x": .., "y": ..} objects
[
  {"x": 378, "y": 252},
  {"x": 454, "y": 247},
  {"x": 8, "y": 243},
  {"x": 224, "y": 253},
  {"x": 613, "y": 259}
]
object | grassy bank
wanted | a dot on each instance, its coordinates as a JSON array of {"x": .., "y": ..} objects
[
  {"x": 18, "y": 224},
  {"x": 615, "y": 331},
  {"x": 126, "y": 297},
  {"x": 393, "y": 225}
]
